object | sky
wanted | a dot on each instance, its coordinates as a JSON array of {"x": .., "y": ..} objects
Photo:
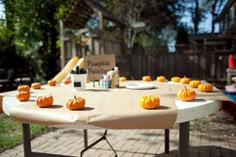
[
  {"x": 204, "y": 26},
  {"x": 1, "y": 11}
]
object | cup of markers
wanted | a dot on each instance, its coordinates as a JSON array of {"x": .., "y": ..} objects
[{"x": 79, "y": 78}]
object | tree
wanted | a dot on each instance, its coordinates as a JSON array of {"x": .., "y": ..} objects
[
  {"x": 182, "y": 35},
  {"x": 7, "y": 37},
  {"x": 199, "y": 10},
  {"x": 155, "y": 14},
  {"x": 192, "y": 9},
  {"x": 35, "y": 27},
  {"x": 214, "y": 7},
  {"x": 196, "y": 16}
]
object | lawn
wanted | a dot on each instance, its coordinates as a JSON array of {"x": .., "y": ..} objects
[{"x": 11, "y": 132}]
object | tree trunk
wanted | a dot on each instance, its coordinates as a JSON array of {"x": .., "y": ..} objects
[
  {"x": 10, "y": 23},
  {"x": 196, "y": 17},
  {"x": 52, "y": 60}
]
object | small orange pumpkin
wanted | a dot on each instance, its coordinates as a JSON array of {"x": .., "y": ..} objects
[
  {"x": 44, "y": 101},
  {"x": 147, "y": 78},
  {"x": 205, "y": 87},
  {"x": 185, "y": 80},
  {"x": 23, "y": 88},
  {"x": 66, "y": 81},
  {"x": 161, "y": 78},
  {"x": 149, "y": 102},
  {"x": 175, "y": 79},
  {"x": 52, "y": 82},
  {"x": 76, "y": 103},
  {"x": 186, "y": 94},
  {"x": 194, "y": 83},
  {"x": 122, "y": 79},
  {"x": 36, "y": 85},
  {"x": 23, "y": 95}
]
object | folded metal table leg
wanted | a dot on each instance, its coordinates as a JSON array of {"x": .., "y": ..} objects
[
  {"x": 85, "y": 138},
  {"x": 26, "y": 140},
  {"x": 96, "y": 142},
  {"x": 27, "y": 145},
  {"x": 167, "y": 140},
  {"x": 184, "y": 139}
]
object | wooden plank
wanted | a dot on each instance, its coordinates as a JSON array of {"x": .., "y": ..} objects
[{"x": 195, "y": 65}]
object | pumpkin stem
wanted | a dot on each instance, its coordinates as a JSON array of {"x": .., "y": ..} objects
[
  {"x": 185, "y": 87},
  {"x": 74, "y": 97}
]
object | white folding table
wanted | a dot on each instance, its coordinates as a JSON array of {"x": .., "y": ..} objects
[{"x": 106, "y": 118}]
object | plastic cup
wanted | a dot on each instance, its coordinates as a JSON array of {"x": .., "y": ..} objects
[{"x": 79, "y": 81}]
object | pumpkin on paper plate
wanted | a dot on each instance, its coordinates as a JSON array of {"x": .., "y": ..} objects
[
  {"x": 186, "y": 94},
  {"x": 175, "y": 79},
  {"x": 36, "y": 85},
  {"x": 23, "y": 88},
  {"x": 52, "y": 82},
  {"x": 194, "y": 83},
  {"x": 66, "y": 81},
  {"x": 185, "y": 80},
  {"x": 205, "y": 87},
  {"x": 23, "y": 95},
  {"x": 147, "y": 78},
  {"x": 161, "y": 78},
  {"x": 88, "y": 80},
  {"x": 76, "y": 103},
  {"x": 44, "y": 101},
  {"x": 122, "y": 79},
  {"x": 149, "y": 102}
]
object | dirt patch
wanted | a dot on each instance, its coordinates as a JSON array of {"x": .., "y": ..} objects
[{"x": 220, "y": 122}]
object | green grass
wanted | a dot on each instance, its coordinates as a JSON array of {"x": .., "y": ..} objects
[{"x": 11, "y": 132}]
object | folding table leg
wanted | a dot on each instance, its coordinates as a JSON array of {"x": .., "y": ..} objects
[
  {"x": 27, "y": 145},
  {"x": 85, "y": 138},
  {"x": 167, "y": 140},
  {"x": 26, "y": 140},
  {"x": 96, "y": 142},
  {"x": 184, "y": 139}
]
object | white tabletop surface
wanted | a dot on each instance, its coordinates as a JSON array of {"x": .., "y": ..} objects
[
  {"x": 116, "y": 108},
  {"x": 187, "y": 111}
]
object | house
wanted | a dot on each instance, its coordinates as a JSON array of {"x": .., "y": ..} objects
[
  {"x": 77, "y": 40},
  {"x": 227, "y": 18},
  {"x": 222, "y": 42}
]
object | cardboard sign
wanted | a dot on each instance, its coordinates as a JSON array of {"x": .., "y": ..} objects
[{"x": 98, "y": 65}]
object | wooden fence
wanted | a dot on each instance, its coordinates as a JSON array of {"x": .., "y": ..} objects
[{"x": 209, "y": 66}]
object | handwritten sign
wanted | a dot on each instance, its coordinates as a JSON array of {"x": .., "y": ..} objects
[{"x": 98, "y": 65}]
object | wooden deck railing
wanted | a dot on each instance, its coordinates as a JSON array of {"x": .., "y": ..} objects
[{"x": 210, "y": 66}]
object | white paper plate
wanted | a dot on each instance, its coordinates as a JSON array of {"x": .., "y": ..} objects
[{"x": 139, "y": 85}]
